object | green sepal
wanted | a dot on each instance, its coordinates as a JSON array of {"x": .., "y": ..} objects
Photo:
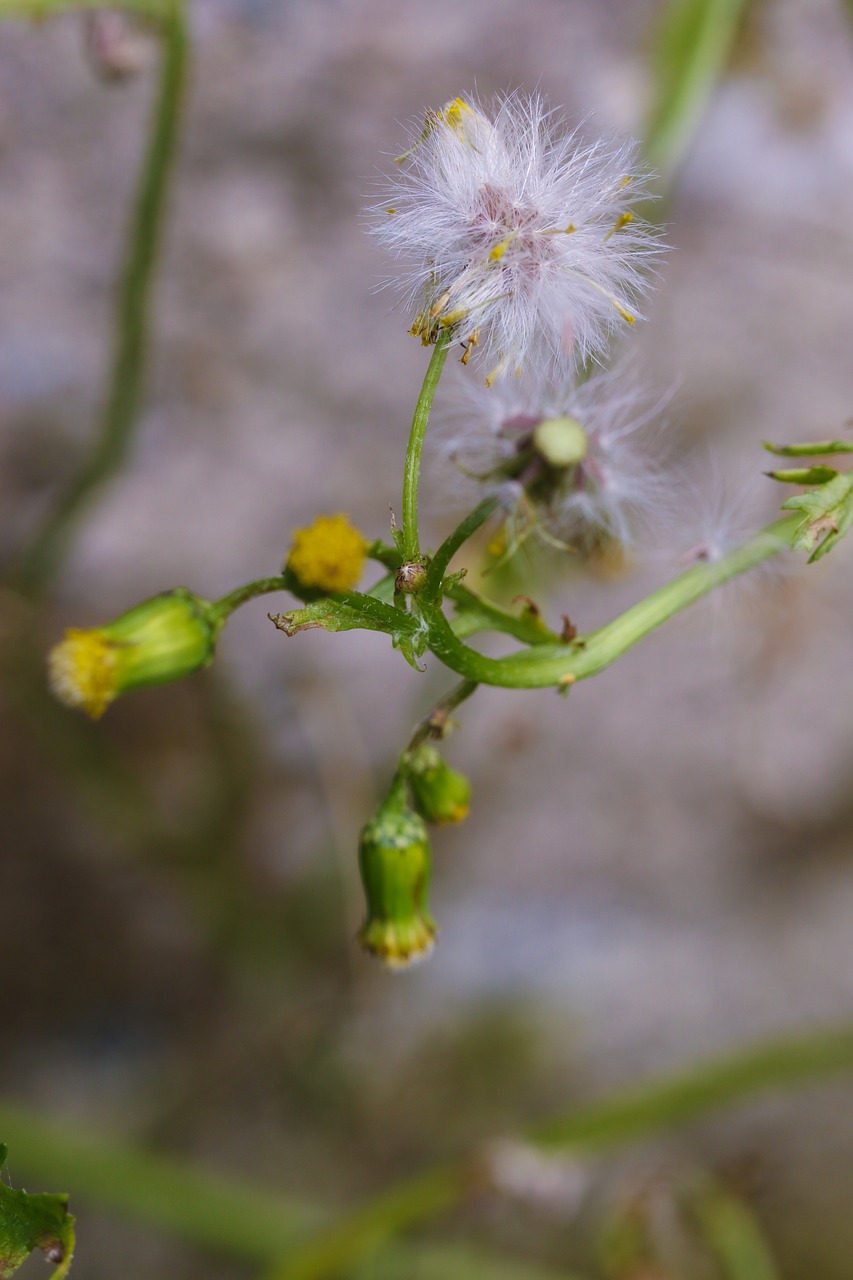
[
  {"x": 804, "y": 475},
  {"x": 809, "y": 449},
  {"x": 29, "y": 1222},
  {"x": 828, "y": 514},
  {"x": 162, "y": 639},
  {"x": 411, "y": 651}
]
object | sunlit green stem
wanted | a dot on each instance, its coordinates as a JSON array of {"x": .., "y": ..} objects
[
  {"x": 555, "y": 664},
  {"x": 124, "y": 392},
  {"x": 412, "y": 472},
  {"x": 460, "y": 535}
]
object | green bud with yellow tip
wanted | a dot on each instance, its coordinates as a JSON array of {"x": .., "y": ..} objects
[
  {"x": 395, "y": 864},
  {"x": 441, "y": 794},
  {"x": 162, "y": 639}
]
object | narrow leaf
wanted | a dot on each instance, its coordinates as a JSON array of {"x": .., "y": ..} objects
[
  {"x": 804, "y": 475},
  {"x": 810, "y": 449}
]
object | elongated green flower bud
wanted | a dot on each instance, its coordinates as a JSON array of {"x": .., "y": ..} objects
[
  {"x": 394, "y": 857},
  {"x": 441, "y": 794},
  {"x": 160, "y": 640}
]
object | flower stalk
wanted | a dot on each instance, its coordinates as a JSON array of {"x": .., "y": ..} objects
[{"x": 411, "y": 547}]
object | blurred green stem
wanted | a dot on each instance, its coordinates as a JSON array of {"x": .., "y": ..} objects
[
  {"x": 249, "y": 1222},
  {"x": 51, "y": 8},
  {"x": 640, "y": 1112},
  {"x": 693, "y": 42},
  {"x": 43, "y": 558},
  {"x": 412, "y": 473}
]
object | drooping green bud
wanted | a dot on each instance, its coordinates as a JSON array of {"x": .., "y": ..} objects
[
  {"x": 394, "y": 858},
  {"x": 160, "y": 640},
  {"x": 561, "y": 442},
  {"x": 441, "y": 794}
]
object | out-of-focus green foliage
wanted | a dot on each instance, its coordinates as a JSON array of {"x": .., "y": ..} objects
[
  {"x": 692, "y": 44},
  {"x": 33, "y": 1222},
  {"x": 47, "y": 8},
  {"x": 733, "y": 1235}
]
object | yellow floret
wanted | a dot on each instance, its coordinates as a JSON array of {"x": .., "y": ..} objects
[
  {"x": 328, "y": 555},
  {"x": 82, "y": 670}
]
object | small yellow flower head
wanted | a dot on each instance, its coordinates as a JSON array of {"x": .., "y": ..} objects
[
  {"x": 82, "y": 671},
  {"x": 160, "y": 640},
  {"x": 329, "y": 555}
]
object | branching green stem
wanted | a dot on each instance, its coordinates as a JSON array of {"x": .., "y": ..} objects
[
  {"x": 412, "y": 472},
  {"x": 547, "y": 664},
  {"x": 124, "y": 392},
  {"x": 460, "y": 535}
]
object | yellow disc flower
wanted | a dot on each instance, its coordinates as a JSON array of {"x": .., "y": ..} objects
[{"x": 328, "y": 555}]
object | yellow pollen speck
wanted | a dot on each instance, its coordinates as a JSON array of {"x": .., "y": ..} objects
[
  {"x": 328, "y": 555},
  {"x": 82, "y": 671},
  {"x": 391, "y": 211},
  {"x": 501, "y": 247},
  {"x": 566, "y": 680},
  {"x": 621, "y": 221},
  {"x": 497, "y": 544}
]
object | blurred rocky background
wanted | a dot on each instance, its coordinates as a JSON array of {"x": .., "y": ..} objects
[{"x": 656, "y": 868}]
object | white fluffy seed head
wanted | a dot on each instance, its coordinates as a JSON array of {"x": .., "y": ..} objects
[
  {"x": 518, "y": 237},
  {"x": 616, "y": 493}
]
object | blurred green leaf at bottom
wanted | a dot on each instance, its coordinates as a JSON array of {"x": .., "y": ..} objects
[{"x": 33, "y": 1222}]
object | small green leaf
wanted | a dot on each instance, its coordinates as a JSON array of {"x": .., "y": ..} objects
[
  {"x": 828, "y": 512},
  {"x": 804, "y": 475},
  {"x": 734, "y": 1236},
  {"x": 809, "y": 449},
  {"x": 34, "y": 1222}
]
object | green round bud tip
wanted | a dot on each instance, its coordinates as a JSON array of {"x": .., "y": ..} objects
[
  {"x": 441, "y": 794},
  {"x": 394, "y": 859},
  {"x": 561, "y": 442}
]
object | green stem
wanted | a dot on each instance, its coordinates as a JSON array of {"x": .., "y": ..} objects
[
  {"x": 641, "y": 1112},
  {"x": 124, "y": 392},
  {"x": 223, "y": 608},
  {"x": 412, "y": 472},
  {"x": 38, "y": 9},
  {"x": 554, "y": 664},
  {"x": 435, "y": 725},
  {"x": 474, "y": 614},
  {"x": 460, "y": 535}
]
